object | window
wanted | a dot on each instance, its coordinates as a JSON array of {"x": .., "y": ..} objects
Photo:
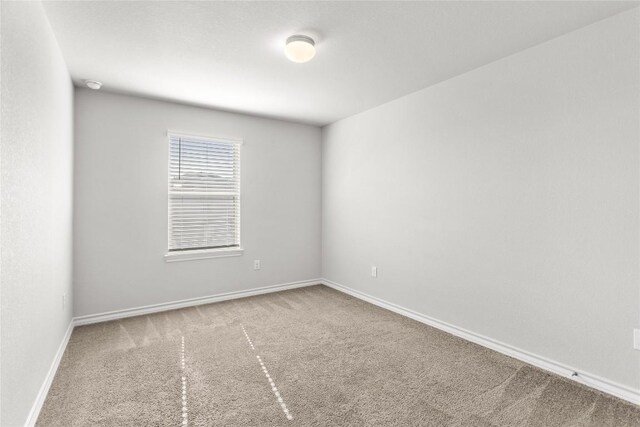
[{"x": 204, "y": 197}]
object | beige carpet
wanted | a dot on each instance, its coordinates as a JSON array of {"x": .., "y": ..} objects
[{"x": 331, "y": 360}]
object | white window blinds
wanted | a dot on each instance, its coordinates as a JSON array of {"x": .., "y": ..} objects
[{"x": 204, "y": 193}]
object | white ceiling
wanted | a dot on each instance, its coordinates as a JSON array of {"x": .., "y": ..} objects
[{"x": 229, "y": 55}]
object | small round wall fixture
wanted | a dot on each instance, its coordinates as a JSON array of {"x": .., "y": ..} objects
[
  {"x": 300, "y": 48},
  {"x": 92, "y": 84}
]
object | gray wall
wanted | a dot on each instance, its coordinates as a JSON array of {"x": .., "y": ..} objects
[
  {"x": 121, "y": 203},
  {"x": 36, "y": 203},
  {"x": 504, "y": 201}
]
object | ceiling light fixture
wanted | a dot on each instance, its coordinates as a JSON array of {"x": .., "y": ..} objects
[
  {"x": 300, "y": 48},
  {"x": 92, "y": 84}
]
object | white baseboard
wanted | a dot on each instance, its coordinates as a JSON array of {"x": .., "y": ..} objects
[
  {"x": 585, "y": 378},
  {"x": 147, "y": 309},
  {"x": 44, "y": 389}
]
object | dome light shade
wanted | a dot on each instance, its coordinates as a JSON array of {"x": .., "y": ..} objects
[{"x": 300, "y": 48}]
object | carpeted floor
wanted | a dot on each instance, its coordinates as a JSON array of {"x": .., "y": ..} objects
[{"x": 314, "y": 355}]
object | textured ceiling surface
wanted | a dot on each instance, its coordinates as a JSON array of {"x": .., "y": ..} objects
[{"x": 229, "y": 55}]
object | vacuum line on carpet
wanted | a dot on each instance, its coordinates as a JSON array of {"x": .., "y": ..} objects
[
  {"x": 185, "y": 419},
  {"x": 248, "y": 339},
  {"x": 271, "y": 382}
]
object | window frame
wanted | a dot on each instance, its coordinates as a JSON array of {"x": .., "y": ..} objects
[{"x": 195, "y": 254}]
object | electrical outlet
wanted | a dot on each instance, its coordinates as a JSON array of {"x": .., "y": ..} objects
[
  {"x": 374, "y": 271},
  {"x": 636, "y": 339},
  {"x": 256, "y": 264}
]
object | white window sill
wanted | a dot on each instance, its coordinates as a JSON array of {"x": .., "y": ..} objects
[{"x": 202, "y": 254}]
